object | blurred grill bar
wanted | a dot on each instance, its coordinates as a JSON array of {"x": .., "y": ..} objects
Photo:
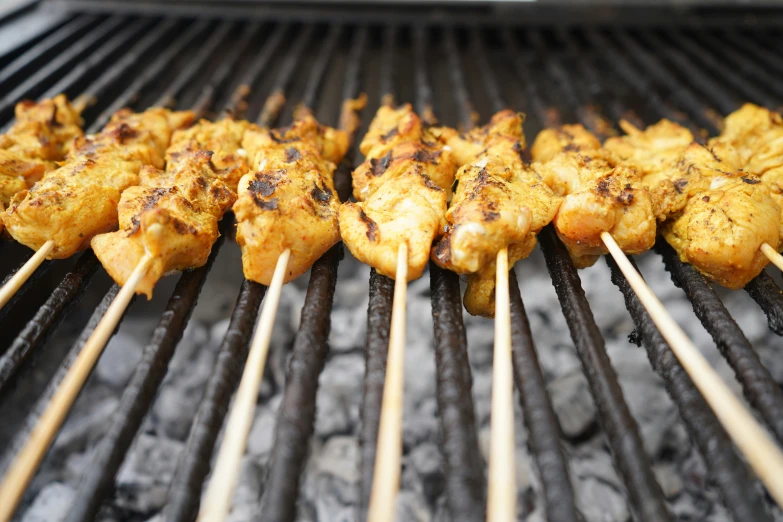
[{"x": 643, "y": 74}]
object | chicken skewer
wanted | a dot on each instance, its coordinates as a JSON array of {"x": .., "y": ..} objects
[
  {"x": 91, "y": 179},
  {"x": 756, "y": 134},
  {"x": 402, "y": 189},
  {"x": 286, "y": 219},
  {"x": 499, "y": 207},
  {"x": 42, "y": 135}
]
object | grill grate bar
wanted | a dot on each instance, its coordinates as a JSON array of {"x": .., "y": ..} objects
[
  {"x": 42, "y": 269},
  {"x": 754, "y": 49},
  {"x": 519, "y": 62},
  {"x": 485, "y": 71},
  {"x": 296, "y": 417},
  {"x": 466, "y": 485},
  {"x": 86, "y": 45},
  {"x": 621, "y": 429},
  {"x": 737, "y": 487},
  {"x": 389, "y": 68},
  {"x": 425, "y": 106},
  {"x": 139, "y": 393},
  {"x": 46, "y": 48},
  {"x": 459, "y": 88},
  {"x": 757, "y": 384}
]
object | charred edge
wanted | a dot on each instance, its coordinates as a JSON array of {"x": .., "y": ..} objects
[
  {"x": 183, "y": 228},
  {"x": 140, "y": 392},
  {"x": 442, "y": 249},
  {"x": 634, "y": 465},
  {"x": 322, "y": 195},
  {"x": 149, "y": 203},
  {"x": 277, "y": 136},
  {"x": 429, "y": 183},
  {"x": 378, "y": 323},
  {"x": 463, "y": 466},
  {"x": 427, "y": 156},
  {"x": 680, "y": 184},
  {"x": 264, "y": 184},
  {"x": 736, "y": 486},
  {"x": 540, "y": 419},
  {"x": 37, "y": 331},
  {"x": 194, "y": 462},
  {"x": 379, "y": 166},
  {"x": 389, "y": 135},
  {"x": 767, "y": 294},
  {"x": 372, "y": 227},
  {"x": 292, "y": 154},
  {"x": 751, "y": 181},
  {"x": 297, "y": 413},
  {"x": 757, "y": 384}
]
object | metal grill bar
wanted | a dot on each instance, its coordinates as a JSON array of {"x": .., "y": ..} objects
[
  {"x": 45, "y": 266},
  {"x": 519, "y": 62},
  {"x": 86, "y": 45},
  {"x": 620, "y": 427},
  {"x": 296, "y": 418},
  {"x": 459, "y": 87},
  {"x": 388, "y": 70},
  {"x": 737, "y": 487},
  {"x": 540, "y": 420}
]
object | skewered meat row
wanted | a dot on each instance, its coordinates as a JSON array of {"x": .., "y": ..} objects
[
  {"x": 75, "y": 202},
  {"x": 42, "y": 134},
  {"x": 289, "y": 202},
  {"x": 401, "y": 189},
  {"x": 599, "y": 196},
  {"x": 715, "y": 216},
  {"x": 500, "y": 202}
]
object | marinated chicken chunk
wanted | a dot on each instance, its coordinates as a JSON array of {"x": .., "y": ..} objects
[
  {"x": 402, "y": 188},
  {"x": 224, "y": 139},
  {"x": 42, "y": 135},
  {"x": 78, "y": 200},
  {"x": 597, "y": 197},
  {"x": 290, "y": 202},
  {"x": 715, "y": 216},
  {"x": 408, "y": 210},
  {"x": 503, "y": 132},
  {"x": 172, "y": 215}
]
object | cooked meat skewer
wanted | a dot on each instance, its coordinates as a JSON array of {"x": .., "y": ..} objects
[
  {"x": 599, "y": 197},
  {"x": 715, "y": 216},
  {"x": 500, "y": 203},
  {"x": 401, "y": 188},
  {"x": 78, "y": 200},
  {"x": 42, "y": 135}
]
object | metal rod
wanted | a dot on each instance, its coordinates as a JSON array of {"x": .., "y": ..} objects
[
  {"x": 318, "y": 70},
  {"x": 388, "y": 69},
  {"x": 621, "y": 430},
  {"x": 465, "y": 108},
  {"x": 737, "y": 487}
]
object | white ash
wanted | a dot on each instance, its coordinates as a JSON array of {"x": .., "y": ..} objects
[{"x": 329, "y": 485}]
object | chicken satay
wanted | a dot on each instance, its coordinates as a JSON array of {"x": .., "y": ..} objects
[
  {"x": 224, "y": 139},
  {"x": 78, "y": 200},
  {"x": 172, "y": 215},
  {"x": 290, "y": 201},
  {"x": 402, "y": 189},
  {"x": 715, "y": 216},
  {"x": 597, "y": 196},
  {"x": 42, "y": 135},
  {"x": 500, "y": 202}
]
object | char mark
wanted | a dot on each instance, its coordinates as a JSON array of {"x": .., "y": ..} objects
[
  {"x": 372, "y": 226},
  {"x": 292, "y": 154}
]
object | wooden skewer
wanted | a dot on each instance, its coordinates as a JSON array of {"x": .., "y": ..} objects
[
  {"x": 217, "y": 499},
  {"x": 763, "y": 455},
  {"x": 386, "y": 476},
  {"x": 15, "y": 283},
  {"x": 501, "y": 499},
  {"x": 24, "y": 466},
  {"x": 773, "y": 255}
]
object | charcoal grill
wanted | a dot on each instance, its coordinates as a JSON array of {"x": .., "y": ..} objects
[{"x": 454, "y": 64}]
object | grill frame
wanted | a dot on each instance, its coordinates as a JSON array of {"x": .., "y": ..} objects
[{"x": 465, "y": 484}]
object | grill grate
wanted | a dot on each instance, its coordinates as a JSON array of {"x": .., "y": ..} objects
[{"x": 557, "y": 75}]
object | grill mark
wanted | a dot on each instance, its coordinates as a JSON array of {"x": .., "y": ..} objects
[
  {"x": 278, "y": 139},
  {"x": 149, "y": 203},
  {"x": 183, "y": 228},
  {"x": 604, "y": 188},
  {"x": 426, "y": 156},
  {"x": 679, "y": 185},
  {"x": 322, "y": 195},
  {"x": 372, "y": 227},
  {"x": 292, "y": 154},
  {"x": 266, "y": 205},
  {"x": 379, "y": 166},
  {"x": 392, "y": 133},
  {"x": 751, "y": 181},
  {"x": 264, "y": 184}
]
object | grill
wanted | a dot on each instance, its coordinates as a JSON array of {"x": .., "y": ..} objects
[{"x": 453, "y": 69}]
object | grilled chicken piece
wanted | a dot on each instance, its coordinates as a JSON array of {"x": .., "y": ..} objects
[
  {"x": 172, "y": 215},
  {"x": 42, "y": 135},
  {"x": 78, "y": 200},
  {"x": 224, "y": 139},
  {"x": 290, "y": 202},
  {"x": 402, "y": 188},
  {"x": 504, "y": 131},
  {"x": 756, "y": 134},
  {"x": 715, "y": 216},
  {"x": 395, "y": 143},
  {"x": 500, "y": 202},
  {"x": 598, "y": 197}
]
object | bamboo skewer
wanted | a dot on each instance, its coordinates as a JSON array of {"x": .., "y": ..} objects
[
  {"x": 763, "y": 455},
  {"x": 15, "y": 283},
  {"x": 386, "y": 475},
  {"x": 501, "y": 498},
  {"x": 26, "y": 463},
  {"x": 773, "y": 255},
  {"x": 217, "y": 499}
]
